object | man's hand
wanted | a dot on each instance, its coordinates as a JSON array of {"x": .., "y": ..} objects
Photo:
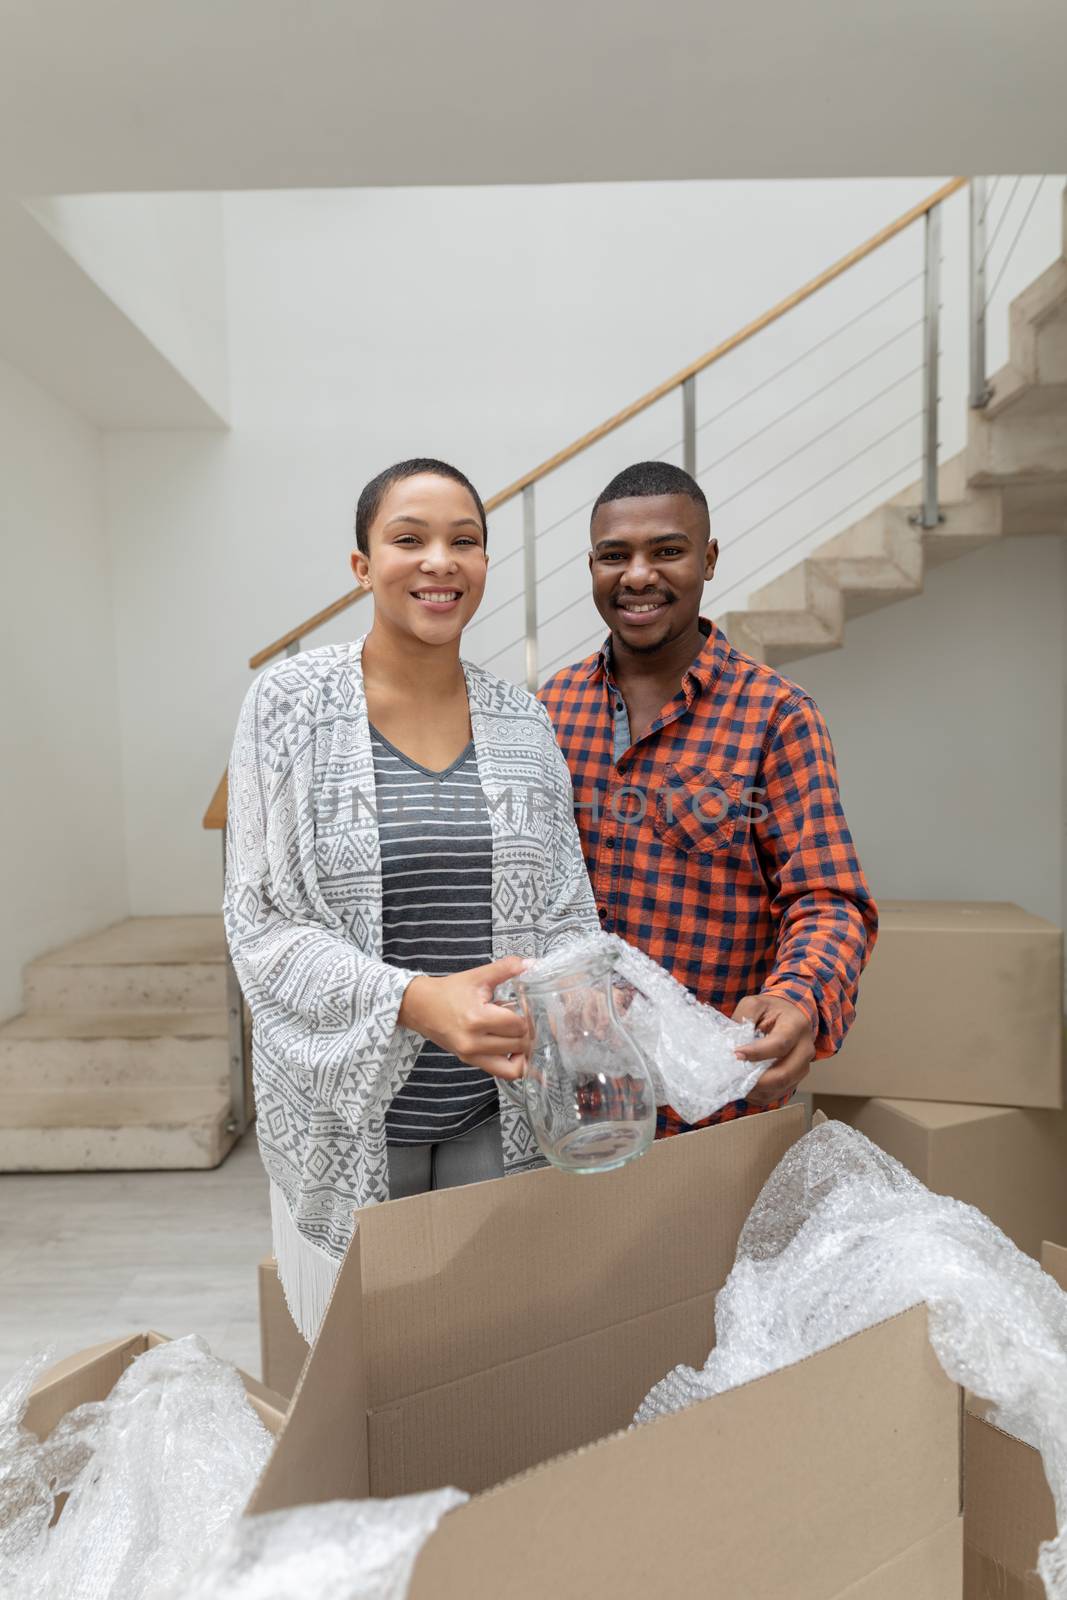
[
  {"x": 789, "y": 1042},
  {"x": 458, "y": 1013}
]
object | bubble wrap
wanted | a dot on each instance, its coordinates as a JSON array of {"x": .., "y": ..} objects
[
  {"x": 843, "y": 1236},
  {"x": 26, "y": 1496},
  {"x": 690, "y": 1048},
  {"x": 156, "y": 1473},
  {"x": 344, "y": 1550}
]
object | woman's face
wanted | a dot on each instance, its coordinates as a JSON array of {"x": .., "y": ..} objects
[{"x": 427, "y": 561}]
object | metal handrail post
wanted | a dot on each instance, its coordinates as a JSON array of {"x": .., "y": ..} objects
[
  {"x": 689, "y": 426},
  {"x": 529, "y": 578},
  {"x": 930, "y": 515},
  {"x": 980, "y": 392}
]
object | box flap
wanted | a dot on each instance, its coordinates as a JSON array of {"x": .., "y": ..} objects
[
  {"x": 461, "y": 1280},
  {"x": 89, "y": 1375},
  {"x": 790, "y": 1488},
  {"x": 1054, "y": 1261}
]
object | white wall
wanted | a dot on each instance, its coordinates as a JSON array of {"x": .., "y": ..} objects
[
  {"x": 160, "y": 259},
  {"x": 63, "y": 865},
  {"x": 947, "y": 715},
  {"x": 492, "y": 326}
]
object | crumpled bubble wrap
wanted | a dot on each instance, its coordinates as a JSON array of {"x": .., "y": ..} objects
[
  {"x": 690, "y": 1048},
  {"x": 156, "y": 1472},
  {"x": 841, "y": 1237},
  {"x": 343, "y": 1550},
  {"x": 26, "y": 1495},
  {"x": 158, "y": 1475}
]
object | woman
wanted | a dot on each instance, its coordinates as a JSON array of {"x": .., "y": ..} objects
[{"x": 400, "y": 836}]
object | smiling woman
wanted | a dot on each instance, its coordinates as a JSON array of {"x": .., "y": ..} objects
[{"x": 400, "y": 840}]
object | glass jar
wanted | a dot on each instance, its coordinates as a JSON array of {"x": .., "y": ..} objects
[{"x": 587, "y": 1086}]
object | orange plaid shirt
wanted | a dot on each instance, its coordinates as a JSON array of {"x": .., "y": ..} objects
[{"x": 718, "y": 843}]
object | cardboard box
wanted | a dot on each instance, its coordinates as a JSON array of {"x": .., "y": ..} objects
[
  {"x": 487, "y": 1336},
  {"x": 962, "y": 1002},
  {"x": 1008, "y": 1513},
  {"x": 1011, "y": 1164},
  {"x": 283, "y": 1348},
  {"x": 93, "y": 1373},
  {"x": 1054, "y": 1261}
]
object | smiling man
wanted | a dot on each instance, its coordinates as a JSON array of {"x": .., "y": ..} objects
[{"x": 706, "y": 794}]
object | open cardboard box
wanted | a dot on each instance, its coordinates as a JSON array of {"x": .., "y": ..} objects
[
  {"x": 93, "y": 1373},
  {"x": 484, "y": 1337},
  {"x": 499, "y": 1337}
]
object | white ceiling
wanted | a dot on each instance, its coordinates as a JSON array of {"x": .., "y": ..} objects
[{"x": 231, "y": 94}]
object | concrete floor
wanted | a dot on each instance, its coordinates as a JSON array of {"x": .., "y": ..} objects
[{"x": 89, "y": 1256}]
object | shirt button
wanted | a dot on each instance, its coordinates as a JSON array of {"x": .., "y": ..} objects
[
  {"x": 602, "y": 913},
  {"x": 618, "y": 705},
  {"x": 609, "y": 841}
]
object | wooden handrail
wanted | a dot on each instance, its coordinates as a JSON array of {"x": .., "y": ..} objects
[
  {"x": 741, "y": 337},
  {"x": 215, "y": 815},
  {"x": 594, "y": 436},
  {"x": 296, "y": 634}
]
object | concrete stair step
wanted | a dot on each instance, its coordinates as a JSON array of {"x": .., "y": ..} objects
[
  {"x": 1021, "y": 436},
  {"x": 46, "y": 1049},
  {"x": 1029, "y": 508},
  {"x": 1038, "y": 324},
  {"x": 158, "y": 962},
  {"x": 806, "y": 588},
  {"x": 113, "y": 1129},
  {"x": 779, "y": 636},
  {"x": 875, "y": 562}
]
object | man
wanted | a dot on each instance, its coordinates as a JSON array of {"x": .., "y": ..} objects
[{"x": 706, "y": 794}]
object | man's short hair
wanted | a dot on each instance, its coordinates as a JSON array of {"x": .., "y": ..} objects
[
  {"x": 647, "y": 478},
  {"x": 376, "y": 490}
]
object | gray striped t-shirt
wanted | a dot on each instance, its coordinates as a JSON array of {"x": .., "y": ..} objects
[{"x": 437, "y": 881}]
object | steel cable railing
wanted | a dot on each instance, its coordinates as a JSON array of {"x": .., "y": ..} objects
[
  {"x": 749, "y": 394},
  {"x": 842, "y": 511},
  {"x": 1039, "y": 185},
  {"x": 790, "y": 411}
]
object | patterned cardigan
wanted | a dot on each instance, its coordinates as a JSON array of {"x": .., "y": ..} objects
[{"x": 303, "y": 916}]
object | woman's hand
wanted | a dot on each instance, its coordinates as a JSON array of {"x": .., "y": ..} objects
[{"x": 458, "y": 1013}]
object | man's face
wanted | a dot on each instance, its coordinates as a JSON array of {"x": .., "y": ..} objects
[{"x": 650, "y": 559}]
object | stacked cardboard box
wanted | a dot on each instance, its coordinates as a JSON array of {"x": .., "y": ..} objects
[
  {"x": 499, "y": 1338},
  {"x": 955, "y": 1062}
]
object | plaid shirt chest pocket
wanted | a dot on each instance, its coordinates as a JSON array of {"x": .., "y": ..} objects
[{"x": 700, "y": 810}]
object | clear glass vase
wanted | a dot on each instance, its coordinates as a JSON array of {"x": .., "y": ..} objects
[{"x": 587, "y": 1086}]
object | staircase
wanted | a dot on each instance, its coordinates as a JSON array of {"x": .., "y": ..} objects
[
  {"x": 1010, "y": 480},
  {"x": 121, "y": 1057}
]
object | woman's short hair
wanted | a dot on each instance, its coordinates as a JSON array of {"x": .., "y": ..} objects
[{"x": 375, "y": 491}]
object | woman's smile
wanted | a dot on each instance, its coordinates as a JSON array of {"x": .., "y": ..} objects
[{"x": 439, "y": 600}]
